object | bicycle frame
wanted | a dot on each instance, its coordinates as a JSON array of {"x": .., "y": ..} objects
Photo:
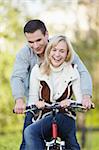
[{"x": 55, "y": 143}]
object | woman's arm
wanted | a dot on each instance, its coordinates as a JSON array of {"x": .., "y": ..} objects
[
  {"x": 34, "y": 87},
  {"x": 76, "y": 86}
]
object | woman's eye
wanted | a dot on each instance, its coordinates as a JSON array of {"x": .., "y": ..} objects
[
  {"x": 54, "y": 50},
  {"x": 62, "y": 51}
]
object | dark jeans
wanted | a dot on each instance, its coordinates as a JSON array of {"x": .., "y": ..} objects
[
  {"x": 27, "y": 122},
  {"x": 37, "y": 132}
]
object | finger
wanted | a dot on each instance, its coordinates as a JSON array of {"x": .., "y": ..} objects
[{"x": 19, "y": 110}]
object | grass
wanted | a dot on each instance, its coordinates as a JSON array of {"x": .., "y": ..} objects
[
  {"x": 11, "y": 141},
  {"x": 92, "y": 140}
]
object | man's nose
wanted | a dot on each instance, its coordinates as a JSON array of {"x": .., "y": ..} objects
[{"x": 35, "y": 45}]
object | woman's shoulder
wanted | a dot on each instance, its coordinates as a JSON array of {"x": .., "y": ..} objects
[
  {"x": 75, "y": 70},
  {"x": 36, "y": 68},
  {"x": 72, "y": 71}
]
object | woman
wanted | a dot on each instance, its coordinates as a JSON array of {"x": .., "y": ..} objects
[{"x": 55, "y": 80}]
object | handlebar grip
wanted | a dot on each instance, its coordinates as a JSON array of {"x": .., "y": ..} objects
[
  {"x": 92, "y": 106},
  {"x": 34, "y": 107},
  {"x": 13, "y": 111},
  {"x": 79, "y": 104}
]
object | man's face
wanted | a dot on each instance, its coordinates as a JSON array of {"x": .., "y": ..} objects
[{"x": 37, "y": 41}]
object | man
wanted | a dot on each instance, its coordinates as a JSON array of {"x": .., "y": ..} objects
[{"x": 37, "y": 37}]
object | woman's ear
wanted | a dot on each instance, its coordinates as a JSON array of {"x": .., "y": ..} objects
[{"x": 49, "y": 57}]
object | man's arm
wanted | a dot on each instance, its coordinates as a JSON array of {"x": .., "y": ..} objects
[
  {"x": 86, "y": 81},
  {"x": 19, "y": 75}
]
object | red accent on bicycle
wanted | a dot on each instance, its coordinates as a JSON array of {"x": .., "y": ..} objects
[{"x": 54, "y": 130}]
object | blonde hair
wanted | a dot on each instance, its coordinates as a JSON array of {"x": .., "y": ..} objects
[{"x": 45, "y": 66}]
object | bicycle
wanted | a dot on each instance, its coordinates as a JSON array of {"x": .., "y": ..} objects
[{"x": 56, "y": 143}]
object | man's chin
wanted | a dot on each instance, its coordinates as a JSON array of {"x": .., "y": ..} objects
[{"x": 38, "y": 52}]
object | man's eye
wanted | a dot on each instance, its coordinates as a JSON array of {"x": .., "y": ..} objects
[
  {"x": 30, "y": 42},
  {"x": 38, "y": 40}
]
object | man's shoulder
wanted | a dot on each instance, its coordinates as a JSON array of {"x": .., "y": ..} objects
[{"x": 25, "y": 49}]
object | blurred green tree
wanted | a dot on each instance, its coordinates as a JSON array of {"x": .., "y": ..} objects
[
  {"x": 14, "y": 14},
  {"x": 11, "y": 22}
]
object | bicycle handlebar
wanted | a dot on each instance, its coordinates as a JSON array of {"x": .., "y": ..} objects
[{"x": 76, "y": 107}]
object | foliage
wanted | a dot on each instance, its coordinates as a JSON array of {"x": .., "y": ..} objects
[
  {"x": 14, "y": 15},
  {"x": 10, "y": 141},
  {"x": 6, "y": 105},
  {"x": 10, "y": 30},
  {"x": 90, "y": 57}
]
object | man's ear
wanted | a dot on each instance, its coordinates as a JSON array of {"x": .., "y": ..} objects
[{"x": 47, "y": 35}]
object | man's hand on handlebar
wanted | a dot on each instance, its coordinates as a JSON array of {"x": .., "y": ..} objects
[
  {"x": 86, "y": 102},
  {"x": 20, "y": 106}
]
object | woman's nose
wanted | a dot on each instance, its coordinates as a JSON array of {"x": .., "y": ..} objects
[{"x": 57, "y": 53}]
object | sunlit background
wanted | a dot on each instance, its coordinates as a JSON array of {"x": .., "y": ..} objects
[{"x": 77, "y": 19}]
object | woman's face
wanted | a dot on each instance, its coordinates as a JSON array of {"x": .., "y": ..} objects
[{"x": 58, "y": 54}]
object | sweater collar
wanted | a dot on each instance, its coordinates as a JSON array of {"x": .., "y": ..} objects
[{"x": 58, "y": 69}]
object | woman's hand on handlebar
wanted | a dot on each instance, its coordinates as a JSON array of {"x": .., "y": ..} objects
[
  {"x": 65, "y": 103},
  {"x": 40, "y": 104}
]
